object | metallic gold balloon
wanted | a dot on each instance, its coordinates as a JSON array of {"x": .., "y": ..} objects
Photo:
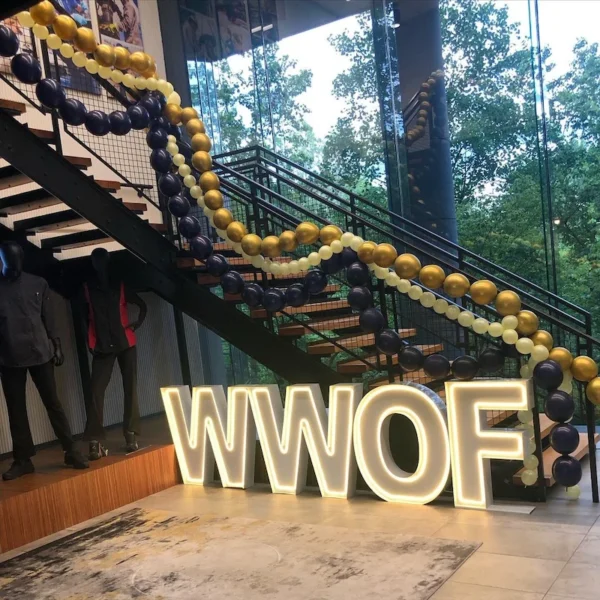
[
  {"x": 188, "y": 114},
  {"x": 307, "y": 233},
  {"x": 201, "y": 142},
  {"x": 562, "y": 356},
  {"x": 432, "y": 276},
  {"x": 64, "y": 27},
  {"x": 85, "y": 40},
  {"x": 122, "y": 58},
  {"x": 105, "y": 55},
  {"x": 508, "y": 303},
  {"x": 270, "y": 246},
  {"x": 456, "y": 285},
  {"x": 365, "y": 252},
  {"x": 528, "y": 322},
  {"x": 251, "y": 244},
  {"x": 385, "y": 255},
  {"x": 209, "y": 181},
  {"x": 43, "y": 13},
  {"x": 584, "y": 368},
  {"x": 213, "y": 199},
  {"x": 288, "y": 241},
  {"x": 222, "y": 217},
  {"x": 483, "y": 291},
  {"x": 592, "y": 391},
  {"x": 151, "y": 70},
  {"x": 330, "y": 233},
  {"x": 140, "y": 62},
  {"x": 202, "y": 161},
  {"x": 236, "y": 231},
  {"x": 173, "y": 113},
  {"x": 194, "y": 126},
  {"x": 407, "y": 266},
  {"x": 543, "y": 338}
]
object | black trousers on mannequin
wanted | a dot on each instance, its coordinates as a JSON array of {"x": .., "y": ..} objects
[
  {"x": 102, "y": 368},
  {"x": 14, "y": 380}
]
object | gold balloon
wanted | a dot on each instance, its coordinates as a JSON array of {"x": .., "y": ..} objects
[
  {"x": 85, "y": 40},
  {"x": 330, "y": 233},
  {"x": 385, "y": 255},
  {"x": 288, "y": 241},
  {"x": 213, "y": 199},
  {"x": 236, "y": 231},
  {"x": 307, "y": 233},
  {"x": 592, "y": 391},
  {"x": 209, "y": 181},
  {"x": 202, "y": 161},
  {"x": 194, "y": 126},
  {"x": 43, "y": 13},
  {"x": 140, "y": 62},
  {"x": 173, "y": 113},
  {"x": 407, "y": 266},
  {"x": 562, "y": 356},
  {"x": 105, "y": 55},
  {"x": 122, "y": 58},
  {"x": 201, "y": 142},
  {"x": 188, "y": 114},
  {"x": 584, "y": 368},
  {"x": 222, "y": 217},
  {"x": 528, "y": 322},
  {"x": 151, "y": 70},
  {"x": 270, "y": 246},
  {"x": 543, "y": 338},
  {"x": 365, "y": 252},
  {"x": 483, "y": 292},
  {"x": 456, "y": 285},
  {"x": 64, "y": 27},
  {"x": 508, "y": 303},
  {"x": 432, "y": 276},
  {"x": 251, "y": 244}
]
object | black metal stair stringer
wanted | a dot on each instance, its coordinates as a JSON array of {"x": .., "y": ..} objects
[{"x": 42, "y": 164}]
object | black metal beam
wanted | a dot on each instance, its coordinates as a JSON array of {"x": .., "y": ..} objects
[{"x": 8, "y": 8}]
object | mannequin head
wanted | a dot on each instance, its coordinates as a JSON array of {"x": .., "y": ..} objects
[
  {"x": 11, "y": 256},
  {"x": 100, "y": 261}
]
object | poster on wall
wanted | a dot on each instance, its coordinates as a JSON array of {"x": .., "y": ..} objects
[
  {"x": 120, "y": 24},
  {"x": 200, "y": 32},
  {"x": 25, "y": 42}
]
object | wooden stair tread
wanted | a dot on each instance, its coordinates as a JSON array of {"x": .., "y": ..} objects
[
  {"x": 546, "y": 425},
  {"x": 188, "y": 262},
  {"x": 327, "y": 324},
  {"x": 111, "y": 186},
  {"x": 351, "y": 341},
  {"x": 43, "y": 134},
  {"x": 13, "y": 107},
  {"x": 356, "y": 367},
  {"x": 330, "y": 289},
  {"x": 311, "y": 307},
  {"x": 79, "y": 239}
]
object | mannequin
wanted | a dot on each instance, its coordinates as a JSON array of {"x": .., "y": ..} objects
[
  {"x": 111, "y": 337},
  {"x": 29, "y": 342}
]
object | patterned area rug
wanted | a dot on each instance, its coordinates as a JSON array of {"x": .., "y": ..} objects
[{"x": 159, "y": 556}]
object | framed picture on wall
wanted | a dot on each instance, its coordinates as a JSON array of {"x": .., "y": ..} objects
[
  {"x": 120, "y": 24},
  {"x": 200, "y": 34}
]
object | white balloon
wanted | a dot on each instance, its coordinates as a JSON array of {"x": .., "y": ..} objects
[
  {"x": 185, "y": 170},
  {"x": 115, "y": 75},
  {"x": 336, "y": 246},
  {"x": 480, "y": 326},
  {"x": 314, "y": 259},
  {"x": 356, "y": 243},
  {"x": 208, "y": 212},
  {"x": 68, "y": 51},
  {"x": 40, "y": 31},
  {"x": 174, "y": 98},
  {"x": 440, "y": 306},
  {"x": 104, "y": 72},
  {"x": 221, "y": 232},
  {"x": 573, "y": 492},
  {"x": 427, "y": 300},
  {"x": 495, "y": 329},
  {"x": 566, "y": 386},
  {"x": 540, "y": 352},
  {"x": 178, "y": 159},
  {"x": 325, "y": 252},
  {"x": 294, "y": 267},
  {"x": 510, "y": 336},
  {"x": 196, "y": 192},
  {"x": 392, "y": 279},
  {"x": 257, "y": 261},
  {"x": 91, "y": 66},
  {"x": 524, "y": 346},
  {"x": 347, "y": 238},
  {"x": 466, "y": 318},
  {"x": 304, "y": 264},
  {"x": 510, "y": 322},
  {"x": 415, "y": 292},
  {"x": 189, "y": 181},
  {"x": 531, "y": 462},
  {"x": 172, "y": 148},
  {"x": 525, "y": 372},
  {"x": 525, "y": 416},
  {"x": 276, "y": 268},
  {"x": 25, "y": 19},
  {"x": 529, "y": 477},
  {"x": 238, "y": 248},
  {"x": 381, "y": 272},
  {"x": 285, "y": 269},
  {"x": 452, "y": 312},
  {"x": 54, "y": 42},
  {"x": 151, "y": 83},
  {"x": 404, "y": 286}
]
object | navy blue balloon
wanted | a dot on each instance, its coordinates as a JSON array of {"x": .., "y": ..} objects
[
  {"x": 296, "y": 295},
  {"x": 348, "y": 257},
  {"x": 371, "y": 320},
  {"x": 162, "y": 162},
  {"x": 140, "y": 119},
  {"x": 332, "y": 265},
  {"x": 160, "y": 97},
  {"x": 274, "y": 300},
  {"x": 178, "y": 206},
  {"x": 217, "y": 265},
  {"x": 200, "y": 247},
  {"x": 559, "y": 406},
  {"x": 189, "y": 227},
  {"x": 159, "y": 123},
  {"x": 253, "y": 295},
  {"x": 157, "y": 138},
  {"x": 120, "y": 123},
  {"x": 50, "y": 93},
  {"x": 152, "y": 105},
  {"x": 436, "y": 366},
  {"x": 97, "y": 122},
  {"x": 315, "y": 281},
  {"x": 26, "y": 68},
  {"x": 174, "y": 130},
  {"x": 9, "y": 42},
  {"x": 566, "y": 470},
  {"x": 465, "y": 367},
  {"x": 72, "y": 112},
  {"x": 169, "y": 184},
  {"x": 411, "y": 359},
  {"x": 185, "y": 149},
  {"x": 548, "y": 374},
  {"x": 360, "y": 298},
  {"x": 491, "y": 360},
  {"x": 232, "y": 283},
  {"x": 358, "y": 274},
  {"x": 564, "y": 438},
  {"x": 388, "y": 341}
]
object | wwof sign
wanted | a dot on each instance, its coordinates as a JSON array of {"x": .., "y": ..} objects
[{"x": 208, "y": 428}]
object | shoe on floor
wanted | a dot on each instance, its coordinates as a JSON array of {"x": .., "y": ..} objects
[
  {"x": 18, "y": 469},
  {"x": 97, "y": 451},
  {"x": 75, "y": 459},
  {"x": 131, "y": 444}
]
